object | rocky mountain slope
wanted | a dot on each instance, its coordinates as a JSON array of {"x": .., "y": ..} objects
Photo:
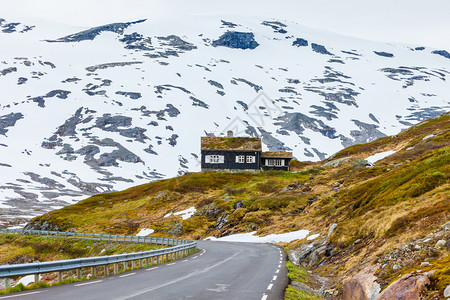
[
  {"x": 376, "y": 212},
  {"x": 91, "y": 110}
]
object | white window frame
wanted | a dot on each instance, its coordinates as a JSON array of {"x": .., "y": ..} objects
[
  {"x": 250, "y": 159},
  {"x": 279, "y": 162},
  {"x": 240, "y": 159},
  {"x": 214, "y": 159},
  {"x": 274, "y": 162}
]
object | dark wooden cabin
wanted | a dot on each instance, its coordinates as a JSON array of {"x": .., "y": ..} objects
[
  {"x": 240, "y": 153},
  {"x": 275, "y": 160},
  {"x": 230, "y": 153}
]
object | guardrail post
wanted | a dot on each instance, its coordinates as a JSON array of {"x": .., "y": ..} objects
[
  {"x": 116, "y": 268},
  {"x": 140, "y": 263},
  {"x": 133, "y": 264},
  {"x": 106, "y": 270},
  {"x": 125, "y": 266},
  {"x": 60, "y": 276},
  {"x": 158, "y": 259},
  {"x": 36, "y": 278},
  {"x": 94, "y": 272},
  {"x": 79, "y": 273},
  {"x": 7, "y": 283}
]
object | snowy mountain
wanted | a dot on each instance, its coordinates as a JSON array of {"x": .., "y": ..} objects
[{"x": 92, "y": 110}]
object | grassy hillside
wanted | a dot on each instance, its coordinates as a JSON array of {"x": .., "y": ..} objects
[
  {"x": 376, "y": 208},
  {"x": 16, "y": 248}
]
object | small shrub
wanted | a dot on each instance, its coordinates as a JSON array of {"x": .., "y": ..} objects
[
  {"x": 38, "y": 285},
  {"x": 428, "y": 183},
  {"x": 268, "y": 187},
  {"x": 261, "y": 217},
  {"x": 204, "y": 202},
  {"x": 236, "y": 216},
  {"x": 232, "y": 191},
  {"x": 271, "y": 202}
]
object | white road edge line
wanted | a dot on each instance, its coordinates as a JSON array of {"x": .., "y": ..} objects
[
  {"x": 195, "y": 257},
  {"x": 185, "y": 260},
  {"x": 152, "y": 268},
  {"x": 171, "y": 264},
  {"x": 279, "y": 266},
  {"x": 264, "y": 297},
  {"x": 270, "y": 286},
  {"x": 14, "y": 296},
  {"x": 274, "y": 277},
  {"x": 87, "y": 283},
  {"x": 127, "y": 275},
  {"x": 278, "y": 271}
]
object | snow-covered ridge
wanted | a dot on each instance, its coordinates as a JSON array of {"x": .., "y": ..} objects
[{"x": 93, "y": 110}]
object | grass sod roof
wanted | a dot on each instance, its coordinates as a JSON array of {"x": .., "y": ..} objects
[
  {"x": 277, "y": 154},
  {"x": 234, "y": 143}
]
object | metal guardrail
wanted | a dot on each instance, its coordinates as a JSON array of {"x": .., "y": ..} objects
[
  {"x": 180, "y": 248},
  {"x": 105, "y": 237}
]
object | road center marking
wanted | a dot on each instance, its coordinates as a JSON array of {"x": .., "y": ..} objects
[
  {"x": 127, "y": 275},
  {"x": 270, "y": 286},
  {"x": 87, "y": 283},
  {"x": 220, "y": 288},
  {"x": 274, "y": 278},
  {"x": 264, "y": 297}
]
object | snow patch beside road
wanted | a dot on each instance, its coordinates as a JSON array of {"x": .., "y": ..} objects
[{"x": 250, "y": 237}]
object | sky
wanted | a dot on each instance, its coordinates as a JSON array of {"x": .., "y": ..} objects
[{"x": 416, "y": 22}]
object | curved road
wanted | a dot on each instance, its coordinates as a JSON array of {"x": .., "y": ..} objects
[{"x": 220, "y": 270}]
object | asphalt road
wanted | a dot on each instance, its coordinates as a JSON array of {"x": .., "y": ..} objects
[{"x": 220, "y": 270}]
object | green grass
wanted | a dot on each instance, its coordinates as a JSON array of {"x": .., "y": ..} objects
[
  {"x": 300, "y": 274},
  {"x": 297, "y": 273},
  {"x": 292, "y": 293},
  {"x": 52, "y": 248},
  {"x": 122, "y": 212}
]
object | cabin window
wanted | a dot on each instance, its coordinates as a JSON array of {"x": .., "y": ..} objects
[
  {"x": 240, "y": 159},
  {"x": 275, "y": 162},
  {"x": 214, "y": 159},
  {"x": 250, "y": 159}
]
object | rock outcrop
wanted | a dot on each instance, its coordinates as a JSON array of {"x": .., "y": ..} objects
[
  {"x": 362, "y": 286},
  {"x": 407, "y": 287}
]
